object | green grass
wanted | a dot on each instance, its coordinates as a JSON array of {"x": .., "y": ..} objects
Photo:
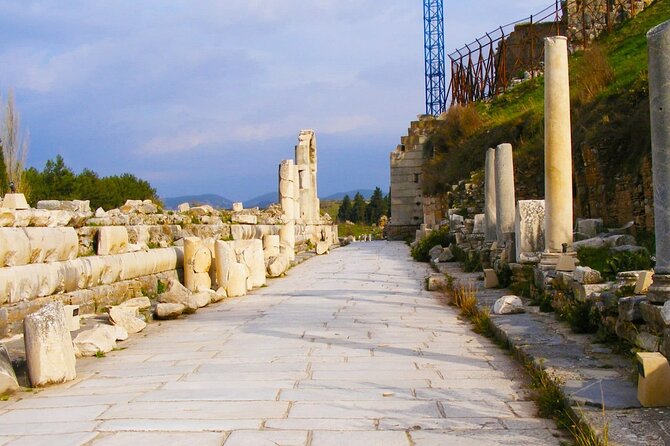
[
  {"x": 345, "y": 230},
  {"x": 614, "y": 120}
]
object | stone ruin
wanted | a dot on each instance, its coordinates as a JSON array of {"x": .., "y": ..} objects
[
  {"x": 62, "y": 260},
  {"x": 534, "y": 240}
]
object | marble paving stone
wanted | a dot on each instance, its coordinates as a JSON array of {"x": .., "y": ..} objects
[
  {"x": 176, "y": 425},
  {"x": 160, "y": 439},
  {"x": 203, "y": 410},
  {"x": 267, "y": 438},
  {"x": 370, "y": 438},
  {"x": 347, "y": 349},
  {"x": 75, "y": 439}
]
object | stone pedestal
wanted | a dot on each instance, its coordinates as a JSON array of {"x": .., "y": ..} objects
[
  {"x": 15, "y": 201},
  {"x": 659, "y": 103},
  {"x": 504, "y": 182},
  {"x": 490, "y": 196},
  {"x": 557, "y": 146},
  {"x": 529, "y": 230}
]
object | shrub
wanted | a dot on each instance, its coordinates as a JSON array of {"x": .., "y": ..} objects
[
  {"x": 611, "y": 263},
  {"x": 592, "y": 77},
  {"x": 438, "y": 237}
]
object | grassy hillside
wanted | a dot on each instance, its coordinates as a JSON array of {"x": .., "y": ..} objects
[{"x": 610, "y": 114}]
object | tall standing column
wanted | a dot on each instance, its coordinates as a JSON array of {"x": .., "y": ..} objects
[
  {"x": 504, "y": 180},
  {"x": 659, "y": 102},
  {"x": 490, "y": 196},
  {"x": 557, "y": 146},
  {"x": 286, "y": 199}
]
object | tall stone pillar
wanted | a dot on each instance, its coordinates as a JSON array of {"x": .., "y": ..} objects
[
  {"x": 659, "y": 102},
  {"x": 286, "y": 199},
  {"x": 557, "y": 147},
  {"x": 305, "y": 159},
  {"x": 504, "y": 185},
  {"x": 490, "y": 196}
]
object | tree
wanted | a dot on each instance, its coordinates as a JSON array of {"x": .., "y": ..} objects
[
  {"x": 344, "y": 213},
  {"x": 60, "y": 180},
  {"x": 376, "y": 208},
  {"x": 358, "y": 209},
  {"x": 14, "y": 146}
]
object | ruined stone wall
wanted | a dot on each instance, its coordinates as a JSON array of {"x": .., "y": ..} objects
[
  {"x": 406, "y": 171},
  {"x": 63, "y": 251}
]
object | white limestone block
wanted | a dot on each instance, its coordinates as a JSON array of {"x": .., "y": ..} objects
[
  {"x": 278, "y": 265},
  {"x": 201, "y": 282},
  {"x": 6, "y": 217},
  {"x": 244, "y": 219},
  {"x": 8, "y": 381},
  {"x": 224, "y": 260},
  {"x": 529, "y": 227},
  {"x": 271, "y": 245},
  {"x": 184, "y": 207},
  {"x": 508, "y": 305},
  {"x": 322, "y": 248},
  {"x": 52, "y": 244},
  {"x": 101, "y": 338},
  {"x": 202, "y": 299},
  {"x": 141, "y": 303},
  {"x": 112, "y": 240},
  {"x": 49, "y": 352},
  {"x": 490, "y": 279},
  {"x": 72, "y": 318},
  {"x": 287, "y": 240},
  {"x": 238, "y": 207},
  {"x": 14, "y": 247},
  {"x": 126, "y": 317},
  {"x": 165, "y": 310},
  {"x": 237, "y": 280},
  {"x": 15, "y": 201}
]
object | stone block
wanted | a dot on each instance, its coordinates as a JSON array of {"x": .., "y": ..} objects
[
  {"x": 278, "y": 265},
  {"x": 586, "y": 275},
  {"x": 15, "y": 201},
  {"x": 126, "y": 317},
  {"x": 14, "y": 247},
  {"x": 72, "y": 317},
  {"x": 237, "y": 280},
  {"x": 508, "y": 305},
  {"x": 184, "y": 207},
  {"x": 644, "y": 281},
  {"x": 566, "y": 263},
  {"x": 478, "y": 227},
  {"x": 529, "y": 227},
  {"x": 238, "y": 207},
  {"x": 99, "y": 339},
  {"x": 647, "y": 341},
  {"x": 590, "y": 226},
  {"x": 244, "y": 219},
  {"x": 52, "y": 244},
  {"x": 583, "y": 292},
  {"x": 436, "y": 282},
  {"x": 49, "y": 351},
  {"x": 8, "y": 381},
  {"x": 653, "y": 386},
  {"x": 166, "y": 310},
  {"x": 629, "y": 309},
  {"x": 657, "y": 317},
  {"x": 271, "y": 246},
  {"x": 322, "y": 248},
  {"x": 112, "y": 240},
  {"x": 490, "y": 279}
]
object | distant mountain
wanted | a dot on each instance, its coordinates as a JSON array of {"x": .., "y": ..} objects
[
  {"x": 216, "y": 201},
  {"x": 367, "y": 193},
  {"x": 262, "y": 201}
]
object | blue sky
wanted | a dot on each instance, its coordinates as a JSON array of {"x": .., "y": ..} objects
[{"x": 209, "y": 96}]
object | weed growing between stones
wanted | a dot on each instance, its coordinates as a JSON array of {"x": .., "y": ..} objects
[
  {"x": 100, "y": 354},
  {"x": 463, "y": 295},
  {"x": 160, "y": 287},
  {"x": 552, "y": 404}
]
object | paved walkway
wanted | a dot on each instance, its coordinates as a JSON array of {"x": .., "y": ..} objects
[{"x": 346, "y": 350}]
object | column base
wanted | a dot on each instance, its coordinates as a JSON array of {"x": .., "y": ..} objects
[
  {"x": 549, "y": 260},
  {"x": 659, "y": 291}
]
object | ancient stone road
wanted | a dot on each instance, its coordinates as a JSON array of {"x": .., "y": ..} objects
[{"x": 346, "y": 350}]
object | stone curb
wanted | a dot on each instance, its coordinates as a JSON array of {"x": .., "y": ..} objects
[{"x": 590, "y": 374}]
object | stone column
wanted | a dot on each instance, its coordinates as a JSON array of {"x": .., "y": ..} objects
[
  {"x": 504, "y": 184},
  {"x": 286, "y": 199},
  {"x": 557, "y": 146},
  {"x": 490, "y": 196},
  {"x": 659, "y": 103},
  {"x": 295, "y": 175},
  {"x": 197, "y": 260}
]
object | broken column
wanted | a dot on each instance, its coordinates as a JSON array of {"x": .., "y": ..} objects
[
  {"x": 659, "y": 103},
  {"x": 197, "y": 260},
  {"x": 305, "y": 159},
  {"x": 49, "y": 350},
  {"x": 490, "y": 196},
  {"x": 557, "y": 150},
  {"x": 529, "y": 230},
  {"x": 504, "y": 183},
  {"x": 286, "y": 198}
]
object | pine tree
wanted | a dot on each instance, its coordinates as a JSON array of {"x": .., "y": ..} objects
[
  {"x": 358, "y": 211},
  {"x": 344, "y": 213},
  {"x": 376, "y": 207}
]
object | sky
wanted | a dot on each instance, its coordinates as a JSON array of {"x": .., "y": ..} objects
[{"x": 208, "y": 96}]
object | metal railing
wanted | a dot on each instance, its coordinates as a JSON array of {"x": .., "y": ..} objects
[{"x": 505, "y": 56}]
